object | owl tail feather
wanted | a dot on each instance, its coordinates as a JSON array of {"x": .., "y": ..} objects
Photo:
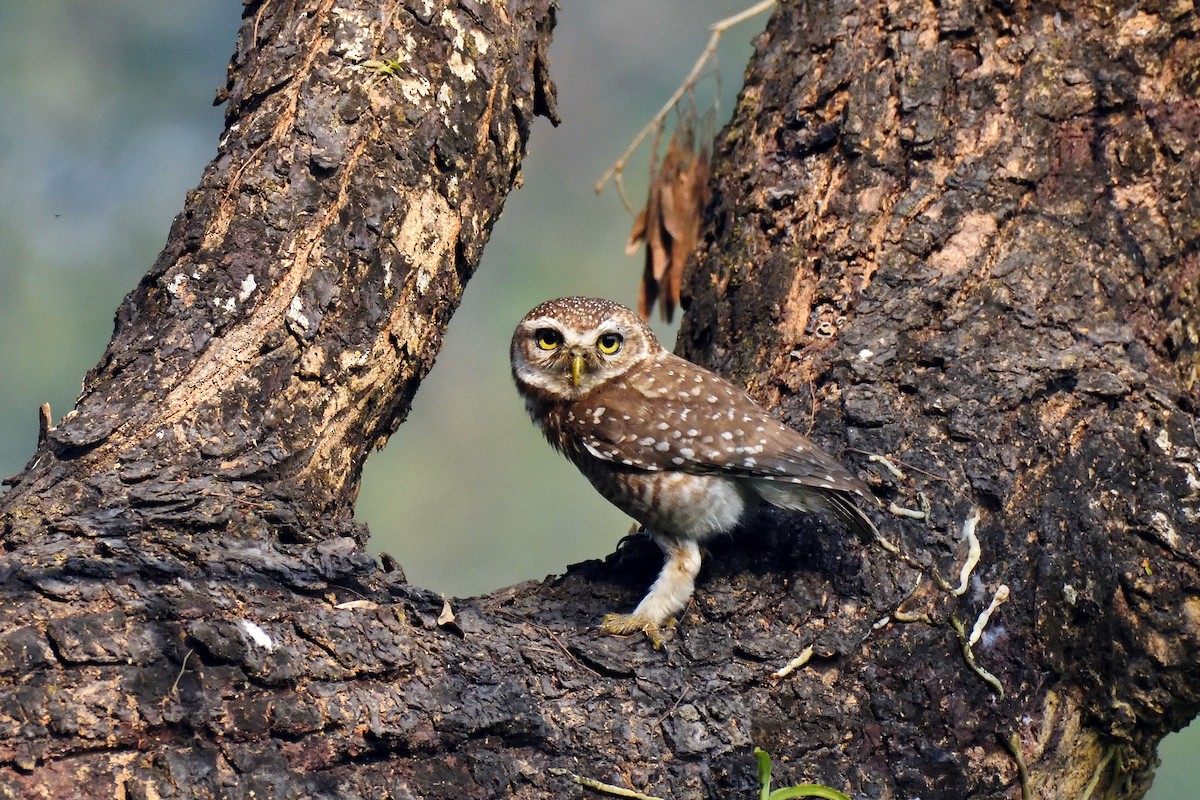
[
  {"x": 841, "y": 506},
  {"x": 806, "y": 497}
]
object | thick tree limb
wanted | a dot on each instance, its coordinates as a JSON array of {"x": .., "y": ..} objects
[
  {"x": 304, "y": 289},
  {"x": 992, "y": 217}
]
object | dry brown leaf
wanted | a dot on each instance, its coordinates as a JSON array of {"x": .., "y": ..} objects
[
  {"x": 669, "y": 225},
  {"x": 447, "y": 622},
  {"x": 638, "y": 234},
  {"x": 352, "y": 604}
]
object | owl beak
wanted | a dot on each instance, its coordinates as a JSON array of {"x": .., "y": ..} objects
[{"x": 577, "y": 364}]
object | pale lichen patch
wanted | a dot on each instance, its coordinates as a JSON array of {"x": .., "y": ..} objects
[
  {"x": 481, "y": 42},
  {"x": 414, "y": 89},
  {"x": 427, "y": 232},
  {"x": 424, "y": 278},
  {"x": 248, "y": 287},
  {"x": 463, "y": 70},
  {"x": 965, "y": 246},
  {"x": 295, "y": 314}
]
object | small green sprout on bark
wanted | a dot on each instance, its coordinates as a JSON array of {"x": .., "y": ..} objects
[{"x": 786, "y": 793}]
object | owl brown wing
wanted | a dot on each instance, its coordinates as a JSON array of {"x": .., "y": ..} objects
[
  {"x": 688, "y": 419},
  {"x": 684, "y": 418}
]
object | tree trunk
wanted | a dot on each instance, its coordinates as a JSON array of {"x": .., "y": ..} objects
[
  {"x": 965, "y": 238},
  {"x": 961, "y": 237},
  {"x": 303, "y": 291}
]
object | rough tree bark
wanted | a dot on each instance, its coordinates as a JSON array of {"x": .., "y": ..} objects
[
  {"x": 962, "y": 237},
  {"x": 966, "y": 237}
]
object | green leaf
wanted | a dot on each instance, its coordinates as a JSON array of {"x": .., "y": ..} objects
[
  {"x": 764, "y": 773},
  {"x": 807, "y": 790}
]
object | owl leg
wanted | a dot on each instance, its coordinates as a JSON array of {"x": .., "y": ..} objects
[{"x": 669, "y": 594}]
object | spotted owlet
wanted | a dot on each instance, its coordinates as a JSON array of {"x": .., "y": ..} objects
[{"x": 677, "y": 447}]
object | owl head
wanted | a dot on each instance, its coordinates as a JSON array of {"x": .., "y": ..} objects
[{"x": 565, "y": 348}]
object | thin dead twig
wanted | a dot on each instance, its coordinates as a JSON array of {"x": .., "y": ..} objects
[{"x": 718, "y": 29}]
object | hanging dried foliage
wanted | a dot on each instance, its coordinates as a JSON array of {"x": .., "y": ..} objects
[{"x": 669, "y": 224}]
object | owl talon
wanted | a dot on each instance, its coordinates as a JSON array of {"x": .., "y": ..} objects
[{"x": 626, "y": 624}]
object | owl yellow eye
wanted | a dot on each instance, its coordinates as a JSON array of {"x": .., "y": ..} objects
[
  {"x": 548, "y": 338},
  {"x": 609, "y": 343}
]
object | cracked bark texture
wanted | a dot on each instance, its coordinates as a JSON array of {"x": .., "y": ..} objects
[
  {"x": 304, "y": 288},
  {"x": 960, "y": 236},
  {"x": 965, "y": 236}
]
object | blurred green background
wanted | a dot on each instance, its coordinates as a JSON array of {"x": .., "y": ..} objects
[{"x": 107, "y": 121}]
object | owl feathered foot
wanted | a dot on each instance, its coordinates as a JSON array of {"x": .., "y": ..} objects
[
  {"x": 667, "y": 597},
  {"x": 626, "y": 624}
]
